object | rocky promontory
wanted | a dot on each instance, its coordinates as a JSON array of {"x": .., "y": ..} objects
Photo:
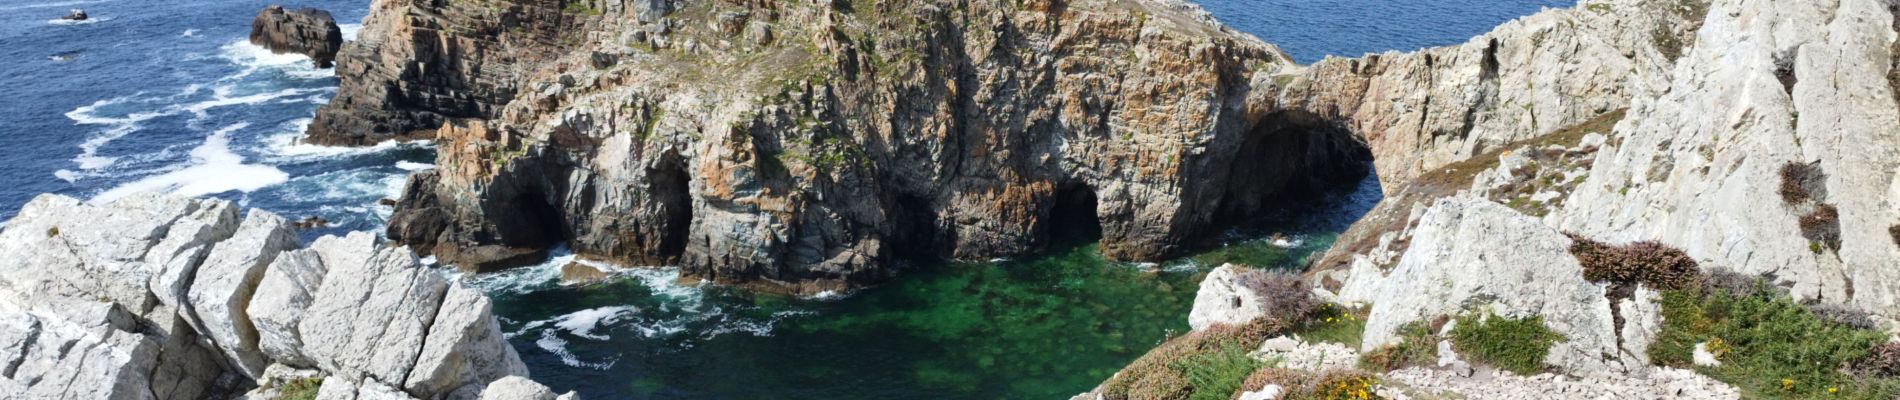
[
  {"x": 154, "y": 297},
  {"x": 306, "y": 31},
  {"x": 809, "y": 146}
]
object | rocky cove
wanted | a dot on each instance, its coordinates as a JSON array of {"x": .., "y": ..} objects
[{"x": 1595, "y": 186}]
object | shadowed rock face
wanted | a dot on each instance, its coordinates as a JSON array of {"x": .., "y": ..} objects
[
  {"x": 306, "y": 31},
  {"x": 801, "y": 146}
]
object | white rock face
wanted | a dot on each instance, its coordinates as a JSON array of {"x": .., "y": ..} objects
[
  {"x": 519, "y": 388},
  {"x": 1698, "y": 167},
  {"x": 464, "y": 348},
  {"x": 369, "y": 320},
  {"x": 170, "y": 298},
  {"x": 1445, "y": 273},
  {"x": 61, "y": 246},
  {"x": 1222, "y": 300},
  {"x": 289, "y": 286},
  {"x": 228, "y": 278}
]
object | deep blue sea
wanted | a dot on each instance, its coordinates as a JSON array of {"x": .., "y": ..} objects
[{"x": 167, "y": 96}]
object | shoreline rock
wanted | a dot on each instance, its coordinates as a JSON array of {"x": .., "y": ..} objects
[
  {"x": 172, "y": 298},
  {"x": 306, "y": 31}
]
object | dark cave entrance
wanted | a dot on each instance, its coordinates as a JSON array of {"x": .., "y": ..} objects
[
  {"x": 1073, "y": 218},
  {"x": 1291, "y": 161},
  {"x": 670, "y": 185}
]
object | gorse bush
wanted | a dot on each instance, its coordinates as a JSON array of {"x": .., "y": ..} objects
[
  {"x": 1285, "y": 296},
  {"x": 1516, "y": 345},
  {"x": 1417, "y": 345},
  {"x": 1173, "y": 370},
  {"x": 1648, "y": 263},
  {"x": 1777, "y": 348}
]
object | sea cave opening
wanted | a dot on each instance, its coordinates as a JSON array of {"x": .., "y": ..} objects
[
  {"x": 1291, "y": 165},
  {"x": 669, "y": 184},
  {"x": 1074, "y": 218}
]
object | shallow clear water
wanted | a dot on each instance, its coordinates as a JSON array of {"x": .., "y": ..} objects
[{"x": 166, "y": 96}]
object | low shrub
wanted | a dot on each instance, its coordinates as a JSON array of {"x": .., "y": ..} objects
[
  {"x": 1418, "y": 345},
  {"x": 1883, "y": 361},
  {"x": 1286, "y": 296},
  {"x": 1848, "y": 317},
  {"x": 1777, "y": 348},
  {"x": 1173, "y": 370},
  {"x": 1728, "y": 281},
  {"x": 1333, "y": 323},
  {"x": 300, "y": 389},
  {"x": 1823, "y": 226},
  {"x": 1802, "y": 182},
  {"x": 1306, "y": 385},
  {"x": 1648, "y": 263},
  {"x": 1516, "y": 345},
  {"x": 1285, "y": 378}
]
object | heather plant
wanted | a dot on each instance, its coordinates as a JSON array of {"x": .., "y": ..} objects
[
  {"x": 1883, "y": 361},
  {"x": 1285, "y": 296},
  {"x": 1802, "y": 182},
  {"x": 1823, "y": 226},
  {"x": 1308, "y": 385},
  {"x": 1648, "y": 263}
]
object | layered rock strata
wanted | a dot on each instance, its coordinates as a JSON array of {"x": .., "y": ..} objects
[
  {"x": 305, "y": 31},
  {"x": 155, "y": 297}
]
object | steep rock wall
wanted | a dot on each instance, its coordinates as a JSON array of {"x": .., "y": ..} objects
[{"x": 808, "y": 147}]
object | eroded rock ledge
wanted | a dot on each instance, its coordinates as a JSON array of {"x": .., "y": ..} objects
[{"x": 157, "y": 297}]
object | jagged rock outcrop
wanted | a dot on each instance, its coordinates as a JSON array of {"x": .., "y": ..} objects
[
  {"x": 1223, "y": 299},
  {"x": 1740, "y": 160},
  {"x": 1423, "y": 110},
  {"x": 155, "y": 297},
  {"x": 1445, "y": 273},
  {"x": 1767, "y": 87},
  {"x": 806, "y": 147},
  {"x": 306, "y": 31}
]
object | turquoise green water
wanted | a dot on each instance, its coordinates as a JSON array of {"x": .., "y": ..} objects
[{"x": 1045, "y": 327}]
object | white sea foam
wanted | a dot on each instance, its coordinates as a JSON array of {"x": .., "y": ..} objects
[
  {"x": 256, "y": 58},
  {"x": 221, "y": 96},
  {"x": 115, "y": 128},
  {"x": 52, "y": 5},
  {"x": 350, "y": 31},
  {"x": 213, "y": 169},
  {"x": 87, "y": 21},
  {"x": 554, "y": 344},
  {"x": 189, "y": 33},
  {"x": 412, "y": 166}
]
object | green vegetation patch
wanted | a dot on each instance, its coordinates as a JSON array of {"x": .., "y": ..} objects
[
  {"x": 1333, "y": 323},
  {"x": 1418, "y": 345},
  {"x": 1770, "y": 346},
  {"x": 301, "y": 389},
  {"x": 1516, "y": 345},
  {"x": 1199, "y": 365}
]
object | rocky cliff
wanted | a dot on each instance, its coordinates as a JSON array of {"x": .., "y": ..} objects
[
  {"x": 807, "y": 147},
  {"x": 306, "y": 31},
  {"x": 156, "y": 297}
]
